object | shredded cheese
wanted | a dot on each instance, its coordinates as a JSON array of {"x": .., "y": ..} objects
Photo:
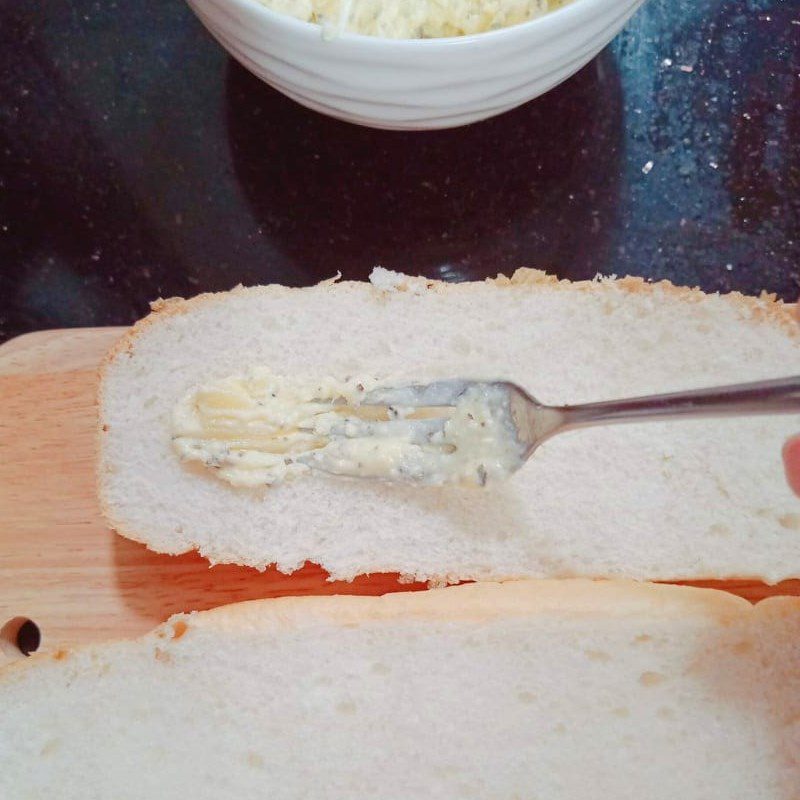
[{"x": 420, "y": 19}]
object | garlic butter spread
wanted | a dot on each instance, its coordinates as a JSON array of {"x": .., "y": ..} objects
[
  {"x": 259, "y": 429},
  {"x": 413, "y": 19}
]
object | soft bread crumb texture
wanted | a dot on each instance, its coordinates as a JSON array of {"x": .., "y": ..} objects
[
  {"x": 678, "y": 500},
  {"x": 562, "y": 689}
]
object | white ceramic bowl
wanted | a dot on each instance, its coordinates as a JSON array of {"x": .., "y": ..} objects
[{"x": 413, "y": 84}]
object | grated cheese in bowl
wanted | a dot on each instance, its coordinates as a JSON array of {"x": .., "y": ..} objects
[{"x": 413, "y": 19}]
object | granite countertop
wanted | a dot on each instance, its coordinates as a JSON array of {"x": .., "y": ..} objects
[{"x": 138, "y": 160}]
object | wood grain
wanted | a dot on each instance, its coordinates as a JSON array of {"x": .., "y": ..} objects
[{"x": 59, "y": 564}]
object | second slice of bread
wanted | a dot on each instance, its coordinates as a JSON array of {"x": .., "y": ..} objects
[{"x": 565, "y": 690}]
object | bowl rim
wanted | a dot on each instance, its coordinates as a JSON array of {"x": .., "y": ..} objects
[{"x": 551, "y": 21}]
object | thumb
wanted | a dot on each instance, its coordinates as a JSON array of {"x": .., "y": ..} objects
[{"x": 791, "y": 463}]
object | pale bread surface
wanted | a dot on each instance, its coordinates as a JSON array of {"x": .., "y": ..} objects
[
  {"x": 698, "y": 499},
  {"x": 567, "y": 690}
]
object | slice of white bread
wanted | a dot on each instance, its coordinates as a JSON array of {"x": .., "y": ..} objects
[
  {"x": 565, "y": 690},
  {"x": 692, "y": 499}
]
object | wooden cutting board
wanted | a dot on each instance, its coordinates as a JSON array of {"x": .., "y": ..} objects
[{"x": 59, "y": 564}]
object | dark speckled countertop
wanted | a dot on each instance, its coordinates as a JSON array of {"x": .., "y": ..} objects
[{"x": 138, "y": 160}]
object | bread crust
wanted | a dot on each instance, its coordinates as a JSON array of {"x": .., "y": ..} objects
[
  {"x": 767, "y": 307},
  {"x": 472, "y": 603}
]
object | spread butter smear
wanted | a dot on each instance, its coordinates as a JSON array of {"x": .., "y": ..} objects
[{"x": 258, "y": 429}]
